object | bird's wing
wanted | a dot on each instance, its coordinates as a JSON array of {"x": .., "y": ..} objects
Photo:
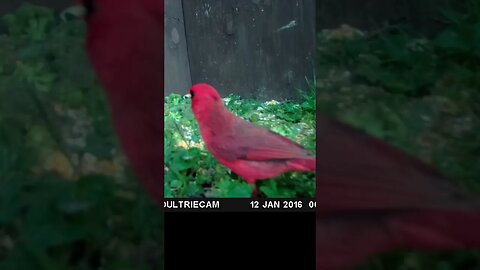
[
  {"x": 251, "y": 142},
  {"x": 359, "y": 172},
  {"x": 373, "y": 198},
  {"x": 345, "y": 241}
]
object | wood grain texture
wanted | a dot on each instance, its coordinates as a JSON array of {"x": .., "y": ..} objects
[{"x": 239, "y": 46}]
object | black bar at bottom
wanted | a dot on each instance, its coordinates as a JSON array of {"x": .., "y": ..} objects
[
  {"x": 239, "y": 205},
  {"x": 242, "y": 240}
]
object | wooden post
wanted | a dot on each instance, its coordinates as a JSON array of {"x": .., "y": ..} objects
[
  {"x": 259, "y": 49},
  {"x": 177, "y": 69}
]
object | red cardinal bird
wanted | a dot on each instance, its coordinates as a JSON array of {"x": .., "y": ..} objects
[
  {"x": 371, "y": 198},
  {"x": 125, "y": 46},
  {"x": 252, "y": 152}
]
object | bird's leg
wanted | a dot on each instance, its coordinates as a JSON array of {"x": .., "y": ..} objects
[{"x": 255, "y": 191}]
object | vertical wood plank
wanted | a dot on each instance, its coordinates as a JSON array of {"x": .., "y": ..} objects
[
  {"x": 177, "y": 69},
  {"x": 257, "y": 48}
]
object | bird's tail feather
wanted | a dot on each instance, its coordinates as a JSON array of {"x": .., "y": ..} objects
[
  {"x": 439, "y": 230},
  {"x": 343, "y": 242},
  {"x": 303, "y": 165}
]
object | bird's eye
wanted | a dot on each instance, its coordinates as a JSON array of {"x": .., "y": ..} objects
[{"x": 192, "y": 94}]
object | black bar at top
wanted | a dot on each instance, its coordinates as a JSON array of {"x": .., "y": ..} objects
[{"x": 238, "y": 205}]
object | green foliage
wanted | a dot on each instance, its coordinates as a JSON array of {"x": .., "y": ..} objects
[
  {"x": 30, "y": 22},
  {"x": 401, "y": 64},
  {"x": 420, "y": 94},
  {"x": 53, "y": 224},
  {"x": 55, "y": 213},
  {"x": 191, "y": 171}
]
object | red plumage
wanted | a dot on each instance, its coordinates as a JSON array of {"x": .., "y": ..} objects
[
  {"x": 373, "y": 198},
  {"x": 251, "y": 151},
  {"x": 125, "y": 46}
]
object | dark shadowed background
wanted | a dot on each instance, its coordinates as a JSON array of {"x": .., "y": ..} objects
[
  {"x": 236, "y": 46},
  {"x": 261, "y": 49},
  {"x": 246, "y": 54},
  {"x": 422, "y": 16}
]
